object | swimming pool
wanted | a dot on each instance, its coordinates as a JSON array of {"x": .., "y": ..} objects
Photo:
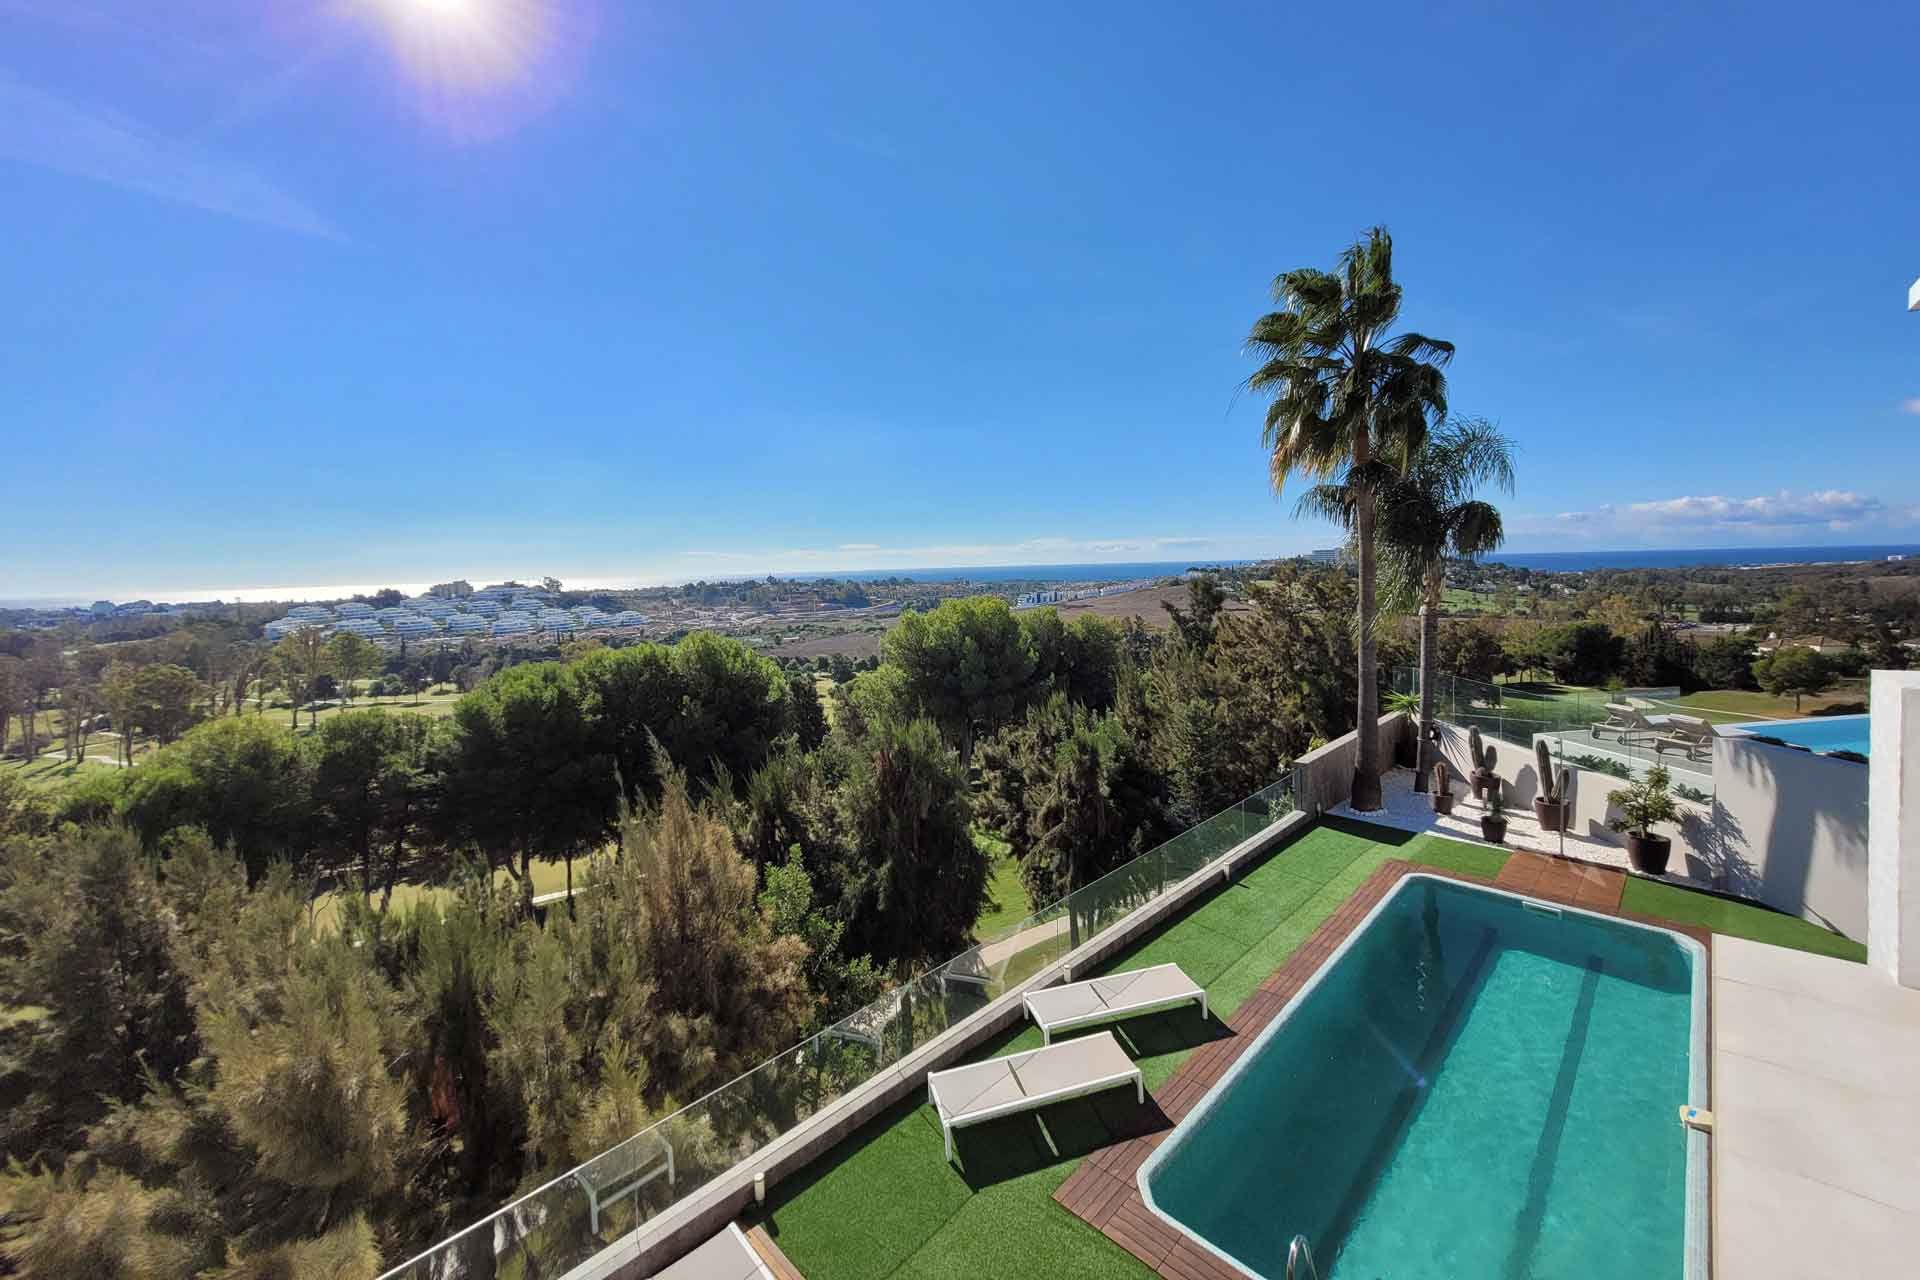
[
  {"x": 1821, "y": 733},
  {"x": 1475, "y": 1084}
]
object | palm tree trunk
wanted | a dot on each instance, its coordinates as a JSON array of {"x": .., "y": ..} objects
[
  {"x": 1366, "y": 768},
  {"x": 1429, "y": 652}
]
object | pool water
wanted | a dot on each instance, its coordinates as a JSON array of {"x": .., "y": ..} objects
[
  {"x": 1475, "y": 1086},
  {"x": 1822, "y": 733}
]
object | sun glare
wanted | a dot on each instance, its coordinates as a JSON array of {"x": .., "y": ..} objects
[{"x": 480, "y": 66}]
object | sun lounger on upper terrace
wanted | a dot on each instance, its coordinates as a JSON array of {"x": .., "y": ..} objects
[
  {"x": 1119, "y": 995},
  {"x": 998, "y": 1087},
  {"x": 1685, "y": 733},
  {"x": 1628, "y": 722}
]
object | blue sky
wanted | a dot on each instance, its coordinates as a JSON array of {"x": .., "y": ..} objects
[{"x": 392, "y": 290}]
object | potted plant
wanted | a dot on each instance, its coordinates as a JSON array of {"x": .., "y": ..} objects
[
  {"x": 1493, "y": 820},
  {"x": 1482, "y": 778},
  {"x": 1442, "y": 788},
  {"x": 1642, "y": 805},
  {"x": 1554, "y": 805}
]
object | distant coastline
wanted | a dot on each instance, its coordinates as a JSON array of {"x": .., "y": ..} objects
[
  {"x": 1689, "y": 557},
  {"x": 1539, "y": 561}
]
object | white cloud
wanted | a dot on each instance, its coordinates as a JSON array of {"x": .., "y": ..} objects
[
  {"x": 1911, "y": 405},
  {"x": 41, "y": 129},
  {"x": 1836, "y": 510}
]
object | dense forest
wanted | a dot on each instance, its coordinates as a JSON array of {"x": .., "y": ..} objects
[{"x": 202, "y": 1074}]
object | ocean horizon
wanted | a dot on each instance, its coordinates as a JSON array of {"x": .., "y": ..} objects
[{"x": 1117, "y": 571}]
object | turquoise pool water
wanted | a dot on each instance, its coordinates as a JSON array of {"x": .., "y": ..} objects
[
  {"x": 1471, "y": 1088},
  {"x": 1822, "y": 733}
]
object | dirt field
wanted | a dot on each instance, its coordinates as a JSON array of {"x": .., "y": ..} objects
[{"x": 855, "y": 644}]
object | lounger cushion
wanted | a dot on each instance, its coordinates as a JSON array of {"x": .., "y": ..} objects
[
  {"x": 1115, "y": 993},
  {"x": 998, "y": 1082}
]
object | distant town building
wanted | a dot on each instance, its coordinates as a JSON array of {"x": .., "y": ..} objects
[
  {"x": 451, "y": 590},
  {"x": 1062, "y": 595}
]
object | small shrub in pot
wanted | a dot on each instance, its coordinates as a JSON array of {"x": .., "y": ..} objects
[
  {"x": 1642, "y": 806},
  {"x": 1493, "y": 820}
]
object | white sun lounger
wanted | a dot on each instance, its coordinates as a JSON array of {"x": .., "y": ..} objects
[
  {"x": 1118, "y": 995},
  {"x": 726, "y": 1256},
  {"x": 998, "y": 1087}
]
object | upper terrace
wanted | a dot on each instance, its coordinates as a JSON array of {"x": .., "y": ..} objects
[{"x": 1250, "y": 906}]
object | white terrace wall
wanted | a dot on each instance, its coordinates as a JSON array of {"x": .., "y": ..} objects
[
  {"x": 1323, "y": 778},
  {"x": 1789, "y": 829},
  {"x": 1786, "y": 828},
  {"x": 1514, "y": 763}
]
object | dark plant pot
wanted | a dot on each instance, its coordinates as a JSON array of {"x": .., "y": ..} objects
[
  {"x": 1648, "y": 854},
  {"x": 1552, "y": 815},
  {"x": 1493, "y": 830},
  {"x": 1443, "y": 802}
]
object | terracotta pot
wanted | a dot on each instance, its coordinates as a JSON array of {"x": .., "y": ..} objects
[
  {"x": 1493, "y": 830},
  {"x": 1552, "y": 815},
  {"x": 1443, "y": 802},
  {"x": 1649, "y": 853}
]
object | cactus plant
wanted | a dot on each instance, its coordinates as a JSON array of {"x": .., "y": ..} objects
[
  {"x": 1482, "y": 758},
  {"x": 1442, "y": 788},
  {"x": 1554, "y": 805}
]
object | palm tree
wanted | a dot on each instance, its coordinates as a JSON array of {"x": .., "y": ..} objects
[
  {"x": 1350, "y": 405},
  {"x": 1428, "y": 516}
]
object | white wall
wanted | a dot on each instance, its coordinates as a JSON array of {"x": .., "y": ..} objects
[
  {"x": 1789, "y": 829},
  {"x": 1323, "y": 778},
  {"x": 1514, "y": 763},
  {"x": 1893, "y": 882}
]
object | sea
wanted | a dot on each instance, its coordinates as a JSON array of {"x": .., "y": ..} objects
[
  {"x": 1117, "y": 571},
  {"x": 1122, "y": 571},
  {"x": 1540, "y": 561},
  {"x": 1688, "y": 557}
]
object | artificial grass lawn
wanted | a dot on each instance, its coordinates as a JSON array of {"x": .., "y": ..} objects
[
  {"x": 1684, "y": 906},
  {"x": 886, "y": 1203}
]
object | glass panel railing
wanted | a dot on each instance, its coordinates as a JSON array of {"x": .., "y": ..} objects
[
  {"x": 592, "y": 1211},
  {"x": 1620, "y": 735}
]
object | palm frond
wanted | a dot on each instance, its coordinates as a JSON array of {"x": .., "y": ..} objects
[{"x": 1331, "y": 502}]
